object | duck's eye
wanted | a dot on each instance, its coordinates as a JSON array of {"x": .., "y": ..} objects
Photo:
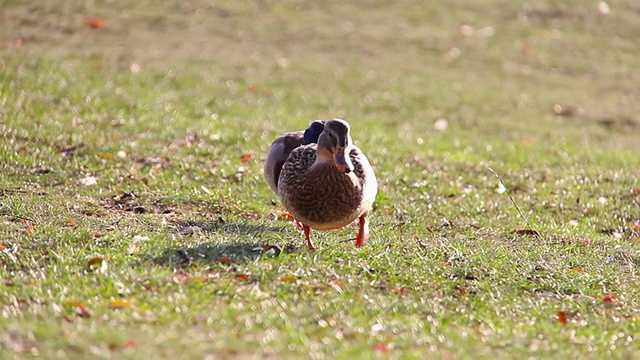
[{"x": 334, "y": 139}]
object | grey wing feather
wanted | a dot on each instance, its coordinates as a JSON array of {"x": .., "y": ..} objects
[{"x": 278, "y": 153}]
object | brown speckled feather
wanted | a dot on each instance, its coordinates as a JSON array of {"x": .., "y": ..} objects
[{"x": 319, "y": 195}]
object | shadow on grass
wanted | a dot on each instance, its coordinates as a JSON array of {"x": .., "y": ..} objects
[{"x": 233, "y": 251}]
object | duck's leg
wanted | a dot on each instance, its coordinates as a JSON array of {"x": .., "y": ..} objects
[
  {"x": 363, "y": 233},
  {"x": 307, "y": 235}
]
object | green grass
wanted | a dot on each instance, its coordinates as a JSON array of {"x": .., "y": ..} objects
[{"x": 161, "y": 103}]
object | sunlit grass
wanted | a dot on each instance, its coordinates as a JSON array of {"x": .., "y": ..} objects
[{"x": 543, "y": 94}]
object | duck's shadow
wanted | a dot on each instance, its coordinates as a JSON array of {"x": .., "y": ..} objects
[{"x": 235, "y": 251}]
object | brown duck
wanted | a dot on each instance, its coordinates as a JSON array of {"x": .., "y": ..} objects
[{"x": 324, "y": 186}]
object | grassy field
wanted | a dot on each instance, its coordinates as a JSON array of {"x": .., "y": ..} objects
[{"x": 132, "y": 137}]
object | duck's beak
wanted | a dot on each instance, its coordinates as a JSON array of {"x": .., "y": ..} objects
[{"x": 343, "y": 162}]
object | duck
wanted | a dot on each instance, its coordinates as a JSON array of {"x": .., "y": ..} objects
[{"x": 326, "y": 184}]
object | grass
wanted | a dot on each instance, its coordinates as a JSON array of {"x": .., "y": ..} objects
[{"x": 161, "y": 103}]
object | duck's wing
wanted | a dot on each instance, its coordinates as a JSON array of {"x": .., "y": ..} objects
[
  {"x": 365, "y": 174},
  {"x": 278, "y": 153}
]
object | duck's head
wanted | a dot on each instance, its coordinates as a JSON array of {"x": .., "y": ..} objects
[
  {"x": 313, "y": 132},
  {"x": 334, "y": 145}
]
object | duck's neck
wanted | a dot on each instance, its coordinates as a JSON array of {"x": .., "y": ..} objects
[{"x": 324, "y": 157}]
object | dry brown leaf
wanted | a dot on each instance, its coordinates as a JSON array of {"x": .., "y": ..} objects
[
  {"x": 288, "y": 278},
  {"x": 402, "y": 290},
  {"x": 286, "y": 216},
  {"x": 31, "y": 230},
  {"x": 84, "y": 311},
  {"x": 531, "y": 232},
  {"x": 564, "y": 111},
  {"x": 131, "y": 343},
  {"x": 120, "y": 304},
  {"x": 245, "y": 158},
  {"x": 97, "y": 263},
  {"x": 181, "y": 277},
  {"x": 226, "y": 260},
  {"x": 381, "y": 347},
  {"x": 609, "y": 299},
  {"x": 562, "y": 317},
  {"x": 526, "y": 141},
  {"x": 94, "y": 22}
]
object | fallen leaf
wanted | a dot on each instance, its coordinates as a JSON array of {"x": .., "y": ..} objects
[
  {"x": 97, "y": 263},
  {"x": 562, "y": 317},
  {"x": 127, "y": 345},
  {"x": 124, "y": 197},
  {"x": 532, "y": 232},
  {"x": 244, "y": 277},
  {"x": 19, "y": 41},
  {"x": 402, "y": 290},
  {"x": 250, "y": 215},
  {"x": 226, "y": 260},
  {"x": 466, "y": 30},
  {"x": 70, "y": 150},
  {"x": 120, "y": 304},
  {"x": 31, "y": 230},
  {"x": 2, "y": 247},
  {"x": 461, "y": 290},
  {"x": 578, "y": 269},
  {"x": 95, "y": 22},
  {"x": 105, "y": 156},
  {"x": 88, "y": 181},
  {"x": 381, "y": 347},
  {"x": 286, "y": 216},
  {"x": 566, "y": 111},
  {"x": 441, "y": 124},
  {"x": 585, "y": 241},
  {"x": 41, "y": 170},
  {"x": 603, "y": 8},
  {"x": 181, "y": 278},
  {"x": 609, "y": 299},
  {"x": 246, "y": 157},
  {"x": 84, "y": 311},
  {"x": 72, "y": 222},
  {"x": 139, "y": 210},
  {"x": 189, "y": 230},
  {"x": 288, "y": 278}
]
